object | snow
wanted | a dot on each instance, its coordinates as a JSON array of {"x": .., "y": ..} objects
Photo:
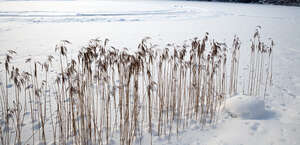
[
  {"x": 33, "y": 28},
  {"x": 248, "y": 107}
]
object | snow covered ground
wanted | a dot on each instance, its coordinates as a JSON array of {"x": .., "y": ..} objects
[{"x": 32, "y": 28}]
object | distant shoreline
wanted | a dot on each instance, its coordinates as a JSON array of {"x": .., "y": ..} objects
[{"x": 264, "y": 2}]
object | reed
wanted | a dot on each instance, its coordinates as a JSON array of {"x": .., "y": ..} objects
[
  {"x": 260, "y": 72},
  {"x": 106, "y": 92}
]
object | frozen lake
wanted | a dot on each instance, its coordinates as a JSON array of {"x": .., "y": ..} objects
[
  {"x": 33, "y": 28},
  {"x": 127, "y": 22}
]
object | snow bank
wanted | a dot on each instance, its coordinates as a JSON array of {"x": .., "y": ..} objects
[{"x": 248, "y": 107}]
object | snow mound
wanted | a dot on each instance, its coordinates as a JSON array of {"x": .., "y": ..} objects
[{"x": 248, "y": 107}]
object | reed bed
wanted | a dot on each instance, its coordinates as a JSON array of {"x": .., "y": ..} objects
[{"x": 105, "y": 92}]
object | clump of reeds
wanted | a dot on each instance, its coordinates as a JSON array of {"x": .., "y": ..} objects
[
  {"x": 106, "y": 92},
  {"x": 260, "y": 71},
  {"x": 234, "y": 66}
]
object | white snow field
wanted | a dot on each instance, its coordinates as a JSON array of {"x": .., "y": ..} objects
[{"x": 33, "y": 28}]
